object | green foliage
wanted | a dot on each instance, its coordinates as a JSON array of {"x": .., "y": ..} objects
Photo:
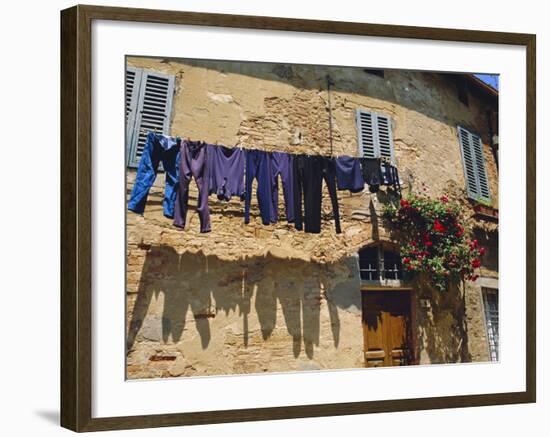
[
  {"x": 484, "y": 202},
  {"x": 433, "y": 239}
]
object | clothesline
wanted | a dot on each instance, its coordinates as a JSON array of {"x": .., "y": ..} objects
[
  {"x": 232, "y": 173},
  {"x": 285, "y": 150}
]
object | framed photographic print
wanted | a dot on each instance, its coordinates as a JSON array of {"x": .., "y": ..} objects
[{"x": 267, "y": 218}]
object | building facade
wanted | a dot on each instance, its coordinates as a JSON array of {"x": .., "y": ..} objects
[{"x": 252, "y": 298}]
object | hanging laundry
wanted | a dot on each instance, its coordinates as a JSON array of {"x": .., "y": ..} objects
[
  {"x": 281, "y": 165},
  {"x": 258, "y": 166},
  {"x": 309, "y": 173},
  {"x": 390, "y": 177},
  {"x": 193, "y": 163},
  {"x": 226, "y": 168},
  {"x": 372, "y": 174},
  {"x": 348, "y": 174},
  {"x": 157, "y": 148},
  {"x": 300, "y": 177},
  {"x": 328, "y": 167}
]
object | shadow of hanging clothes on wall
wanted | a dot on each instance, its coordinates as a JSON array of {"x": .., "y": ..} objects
[
  {"x": 177, "y": 293},
  {"x": 160, "y": 273},
  {"x": 194, "y": 294},
  {"x": 168, "y": 276}
]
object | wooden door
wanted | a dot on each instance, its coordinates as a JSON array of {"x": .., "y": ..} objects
[{"x": 387, "y": 328}]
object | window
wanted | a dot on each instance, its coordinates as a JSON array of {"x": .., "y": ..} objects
[
  {"x": 490, "y": 303},
  {"x": 377, "y": 262},
  {"x": 374, "y": 71},
  {"x": 148, "y": 107},
  {"x": 374, "y": 134},
  {"x": 475, "y": 173}
]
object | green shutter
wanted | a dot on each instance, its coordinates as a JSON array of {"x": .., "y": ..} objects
[
  {"x": 153, "y": 110},
  {"x": 374, "y": 134},
  {"x": 475, "y": 172}
]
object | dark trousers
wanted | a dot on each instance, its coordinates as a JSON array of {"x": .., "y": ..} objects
[
  {"x": 258, "y": 166},
  {"x": 309, "y": 173},
  {"x": 193, "y": 164},
  {"x": 157, "y": 148}
]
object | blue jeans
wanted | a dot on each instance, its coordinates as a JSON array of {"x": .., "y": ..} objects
[{"x": 157, "y": 148}]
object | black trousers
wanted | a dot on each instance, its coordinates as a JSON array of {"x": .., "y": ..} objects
[{"x": 308, "y": 174}]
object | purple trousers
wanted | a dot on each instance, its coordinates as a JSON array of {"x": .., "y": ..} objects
[
  {"x": 281, "y": 165},
  {"x": 193, "y": 164}
]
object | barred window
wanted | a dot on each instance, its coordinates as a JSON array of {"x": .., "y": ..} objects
[
  {"x": 490, "y": 303},
  {"x": 379, "y": 262}
]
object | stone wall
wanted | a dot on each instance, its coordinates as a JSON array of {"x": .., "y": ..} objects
[
  {"x": 256, "y": 298},
  {"x": 276, "y": 107}
]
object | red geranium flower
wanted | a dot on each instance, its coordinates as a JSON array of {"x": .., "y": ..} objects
[
  {"x": 406, "y": 260},
  {"x": 438, "y": 227},
  {"x": 482, "y": 251},
  {"x": 476, "y": 263},
  {"x": 404, "y": 203},
  {"x": 444, "y": 199}
]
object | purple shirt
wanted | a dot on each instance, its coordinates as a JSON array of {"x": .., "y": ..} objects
[
  {"x": 348, "y": 174},
  {"x": 226, "y": 171}
]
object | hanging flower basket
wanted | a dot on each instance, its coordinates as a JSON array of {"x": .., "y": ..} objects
[
  {"x": 486, "y": 212},
  {"x": 433, "y": 239}
]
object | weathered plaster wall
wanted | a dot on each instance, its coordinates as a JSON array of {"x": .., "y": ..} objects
[{"x": 255, "y": 298}]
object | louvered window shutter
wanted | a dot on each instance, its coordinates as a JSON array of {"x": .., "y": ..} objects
[
  {"x": 374, "y": 133},
  {"x": 385, "y": 138},
  {"x": 133, "y": 85},
  {"x": 153, "y": 111},
  {"x": 475, "y": 173},
  {"x": 365, "y": 134}
]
